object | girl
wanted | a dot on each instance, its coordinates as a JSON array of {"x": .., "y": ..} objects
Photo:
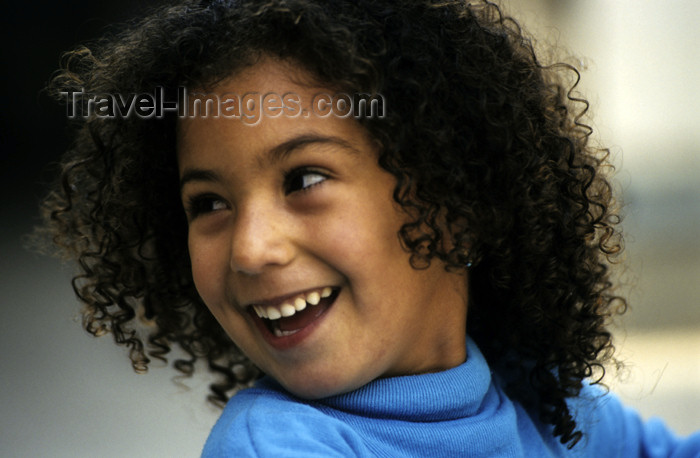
[{"x": 384, "y": 216}]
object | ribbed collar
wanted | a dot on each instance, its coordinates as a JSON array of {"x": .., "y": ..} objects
[{"x": 451, "y": 394}]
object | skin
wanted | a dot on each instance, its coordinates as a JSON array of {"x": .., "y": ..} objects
[{"x": 256, "y": 235}]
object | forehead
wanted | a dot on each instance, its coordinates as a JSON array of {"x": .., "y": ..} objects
[{"x": 272, "y": 107}]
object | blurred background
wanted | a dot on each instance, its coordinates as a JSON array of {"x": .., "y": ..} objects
[
  {"x": 64, "y": 393},
  {"x": 639, "y": 69}
]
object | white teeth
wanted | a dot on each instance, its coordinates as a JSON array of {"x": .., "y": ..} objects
[
  {"x": 273, "y": 313},
  {"x": 299, "y": 304},
  {"x": 313, "y": 298},
  {"x": 280, "y": 333},
  {"x": 287, "y": 310}
]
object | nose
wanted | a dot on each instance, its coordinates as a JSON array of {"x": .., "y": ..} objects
[{"x": 260, "y": 239}]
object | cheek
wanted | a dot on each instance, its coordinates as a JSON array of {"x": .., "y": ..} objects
[
  {"x": 361, "y": 240},
  {"x": 343, "y": 241},
  {"x": 206, "y": 263}
]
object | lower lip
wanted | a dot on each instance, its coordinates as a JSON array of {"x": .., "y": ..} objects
[{"x": 292, "y": 340}]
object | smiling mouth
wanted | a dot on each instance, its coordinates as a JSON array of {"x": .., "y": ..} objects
[{"x": 294, "y": 314}]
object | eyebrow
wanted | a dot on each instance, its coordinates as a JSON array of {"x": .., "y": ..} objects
[
  {"x": 198, "y": 175},
  {"x": 271, "y": 156},
  {"x": 284, "y": 149}
]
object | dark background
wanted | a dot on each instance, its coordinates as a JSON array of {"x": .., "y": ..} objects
[{"x": 33, "y": 128}]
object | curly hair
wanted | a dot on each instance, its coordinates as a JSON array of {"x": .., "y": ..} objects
[{"x": 486, "y": 143}]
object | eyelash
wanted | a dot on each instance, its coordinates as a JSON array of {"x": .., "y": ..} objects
[
  {"x": 204, "y": 203},
  {"x": 299, "y": 173}
]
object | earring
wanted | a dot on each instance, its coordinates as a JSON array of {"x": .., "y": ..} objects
[{"x": 463, "y": 257}]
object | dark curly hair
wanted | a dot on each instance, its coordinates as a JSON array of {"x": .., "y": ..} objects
[{"x": 486, "y": 143}]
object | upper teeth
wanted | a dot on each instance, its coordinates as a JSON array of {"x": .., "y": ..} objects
[{"x": 292, "y": 306}]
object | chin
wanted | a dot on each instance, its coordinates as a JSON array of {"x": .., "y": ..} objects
[{"x": 318, "y": 387}]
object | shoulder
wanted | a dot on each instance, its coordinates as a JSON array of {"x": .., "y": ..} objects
[
  {"x": 612, "y": 429},
  {"x": 264, "y": 421}
]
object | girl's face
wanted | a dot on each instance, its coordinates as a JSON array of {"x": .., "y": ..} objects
[{"x": 294, "y": 246}]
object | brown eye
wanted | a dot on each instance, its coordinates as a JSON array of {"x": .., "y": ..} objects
[
  {"x": 202, "y": 204},
  {"x": 302, "y": 179}
]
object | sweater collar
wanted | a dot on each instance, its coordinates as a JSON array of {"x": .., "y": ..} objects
[{"x": 454, "y": 393}]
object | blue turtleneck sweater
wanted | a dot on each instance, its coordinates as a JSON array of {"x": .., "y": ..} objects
[{"x": 457, "y": 412}]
